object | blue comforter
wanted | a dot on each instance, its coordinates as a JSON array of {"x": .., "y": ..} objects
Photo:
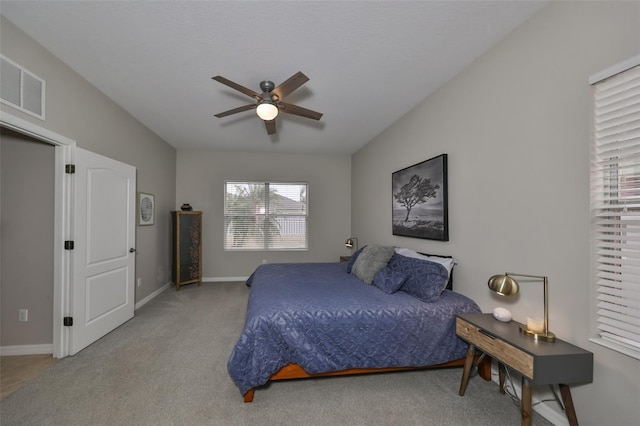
[{"x": 324, "y": 319}]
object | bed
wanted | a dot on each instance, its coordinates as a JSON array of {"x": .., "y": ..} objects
[{"x": 323, "y": 319}]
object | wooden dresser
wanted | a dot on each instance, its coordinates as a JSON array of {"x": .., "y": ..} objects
[{"x": 186, "y": 242}]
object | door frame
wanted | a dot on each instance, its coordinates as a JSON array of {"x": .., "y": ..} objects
[{"x": 63, "y": 222}]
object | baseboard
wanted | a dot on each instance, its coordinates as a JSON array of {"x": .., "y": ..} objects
[
  {"x": 223, "y": 279},
  {"x": 26, "y": 350},
  {"x": 167, "y": 285},
  {"x": 550, "y": 410},
  {"x": 557, "y": 417},
  {"x": 48, "y": 348},
  {"x": 151, "y": 296}
]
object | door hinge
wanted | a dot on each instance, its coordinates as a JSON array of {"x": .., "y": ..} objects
[
  {"x": 67, "y": 321},
  {"x": 68, "y": 245},
  {"x": 70, "y": 168}
]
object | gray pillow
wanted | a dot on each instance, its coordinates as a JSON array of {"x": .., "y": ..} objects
[{"x": 371, "y": 260}]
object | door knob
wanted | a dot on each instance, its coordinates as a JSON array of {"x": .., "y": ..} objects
[{"x": 132, "y": 250}]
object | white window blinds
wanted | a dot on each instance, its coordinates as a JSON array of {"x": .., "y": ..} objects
[
  {"x": 265, "y": 216},
  {"x": 615, "y": 208}
]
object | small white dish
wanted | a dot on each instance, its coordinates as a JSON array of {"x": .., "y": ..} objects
[{"x": 502, "y": 314}]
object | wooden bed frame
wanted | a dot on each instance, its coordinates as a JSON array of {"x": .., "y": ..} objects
[{"x": 294, "y": 371}]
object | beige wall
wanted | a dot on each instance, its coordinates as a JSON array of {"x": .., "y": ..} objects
[
  {"x": 201, "y": 177},
  {"x": 516, "y": 126},
  {"x": 77, "y": 110},
  {"x": 26, "y": 234}
]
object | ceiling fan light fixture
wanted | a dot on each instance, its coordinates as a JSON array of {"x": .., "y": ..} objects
[
  {"x": 267, "y": 110},
  {"x": 268, "y": 103}
]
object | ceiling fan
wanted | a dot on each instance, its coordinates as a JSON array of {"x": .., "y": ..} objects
[{"x": 269, "y": 102}]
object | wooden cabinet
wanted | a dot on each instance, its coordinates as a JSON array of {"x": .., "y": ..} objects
[{"x": 186, "y": 232}]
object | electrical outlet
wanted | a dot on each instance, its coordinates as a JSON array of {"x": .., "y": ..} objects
[
  {"x": 23, "y": 315},
  {"x": 264, "y": 261},
  {"x": 139, "y": 283}
]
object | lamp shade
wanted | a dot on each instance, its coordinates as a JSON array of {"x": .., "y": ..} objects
[
  {"x": 503, "y": 285},
  {"x": 267, "y": 111},
  {"x": 351, "y": 243}
]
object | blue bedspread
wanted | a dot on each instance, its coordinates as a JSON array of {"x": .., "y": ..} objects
[{"x": 324, "y": 319}]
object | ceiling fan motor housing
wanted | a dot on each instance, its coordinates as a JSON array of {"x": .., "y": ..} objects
[{"x": 267, "y": 86}]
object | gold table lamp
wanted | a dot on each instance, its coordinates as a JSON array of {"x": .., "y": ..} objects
[{"x": 506, "y": 285}]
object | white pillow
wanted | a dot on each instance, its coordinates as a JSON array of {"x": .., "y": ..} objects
[
  {"x": 447, "y": 262},
  {"x": 407, "y": 252}
]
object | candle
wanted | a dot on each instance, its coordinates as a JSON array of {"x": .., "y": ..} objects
[{"x": 535, "y": 325}]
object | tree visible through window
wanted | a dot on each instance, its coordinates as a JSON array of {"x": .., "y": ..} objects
[{"x": 265, "y": 216}]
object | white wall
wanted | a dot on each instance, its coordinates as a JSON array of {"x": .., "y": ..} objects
[
  {"x": 77, "y": 110},
  {"x": 516, "y": 126},
  {"x": 201, "y": 176}
]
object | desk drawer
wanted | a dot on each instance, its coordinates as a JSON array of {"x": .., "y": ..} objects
[{"x": 498, "y": 349}]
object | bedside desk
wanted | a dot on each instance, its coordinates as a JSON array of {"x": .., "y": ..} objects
[{"x": 539, "y": 362}]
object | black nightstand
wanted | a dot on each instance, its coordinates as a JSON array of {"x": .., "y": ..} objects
[{"x": 539, "y": 362}]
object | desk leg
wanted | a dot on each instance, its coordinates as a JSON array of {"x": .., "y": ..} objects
[
  {"x": 569, "y": 409},
  {"x": 468, "y": 363},
  {"x": 501, "y": 374},
  {"x": 526, "y": 402}
]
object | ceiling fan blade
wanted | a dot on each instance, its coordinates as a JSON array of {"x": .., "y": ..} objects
[
  {"x": 271, "y": 126},
  {"x": 236, "y": 110},
  {"x": 298, "y": 110},
  {"x": 237, "y": 86},
  {"x": 291, "y": 84}
]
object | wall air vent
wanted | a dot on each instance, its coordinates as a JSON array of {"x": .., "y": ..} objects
[{"x": 21, "y": 89}]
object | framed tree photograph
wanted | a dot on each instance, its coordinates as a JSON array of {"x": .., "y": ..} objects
[
  {"x": 146, "y": 208},
  {"x": 419, "y": 200}
]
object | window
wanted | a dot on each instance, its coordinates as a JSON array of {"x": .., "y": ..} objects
[
  {"x": 265, "y": 216},
  {"x": 615, "y": 209}
]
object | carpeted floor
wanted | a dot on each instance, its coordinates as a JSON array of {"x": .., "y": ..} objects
[{"x": 167, "y": 366}]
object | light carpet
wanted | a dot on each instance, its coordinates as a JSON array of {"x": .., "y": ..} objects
[{"x": 168, "y": 366}]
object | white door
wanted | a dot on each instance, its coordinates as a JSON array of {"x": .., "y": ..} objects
[{"x": 104, "y": 247}]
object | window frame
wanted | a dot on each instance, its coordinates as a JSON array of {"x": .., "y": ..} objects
[
  {"x": 612, "y": 272},
  {"x": 267, "y": 216}
]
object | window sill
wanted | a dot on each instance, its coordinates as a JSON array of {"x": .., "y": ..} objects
[{"x": 618, "y": 348}]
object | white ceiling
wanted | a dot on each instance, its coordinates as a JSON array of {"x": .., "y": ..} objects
[{"x": 369, "y": 63}]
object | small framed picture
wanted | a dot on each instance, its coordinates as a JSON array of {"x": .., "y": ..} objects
[{"x": 146, "y": 208}]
